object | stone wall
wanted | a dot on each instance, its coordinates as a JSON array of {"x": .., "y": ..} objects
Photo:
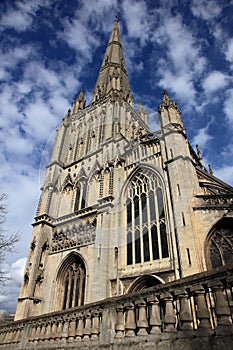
[{"x": 190, "y": 313}]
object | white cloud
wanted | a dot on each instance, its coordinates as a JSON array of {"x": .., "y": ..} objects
[
  {"x": 215, "y": 81},
  {"x": 206, "y": 9},
  {"x": 225, "y": 173},
  {"x": 10, "y": 291},
  {"x": 229, "y": 51},
  {"x": 202, "y": 137},
  {"x": 20, "y": 16},
  {"x": 228, "y": 103},
  {"x": 137, "y": 20},
  {"x": 180, "y": 84},
  {"x": 183, "y": 62},
  {"x": 17, "y": 20}
]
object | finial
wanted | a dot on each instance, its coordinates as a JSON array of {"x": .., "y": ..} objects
[
  {"x": 116, "y": 19},
  {"x": 167, "y": 102},
  {"x": 166, "y": 98},
  {"x": 198, "y": 152},
  {"x": 210, "y": 169}
]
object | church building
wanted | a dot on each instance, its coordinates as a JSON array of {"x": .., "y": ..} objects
[{"x": 123, "y": 208}]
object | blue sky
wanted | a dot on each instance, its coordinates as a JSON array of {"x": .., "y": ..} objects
[{"x": 51, "y": 49}]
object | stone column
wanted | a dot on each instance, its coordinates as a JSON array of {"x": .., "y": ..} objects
[
  {"x": 72, "y": 328},
  {"x": 65, "y": 329},
  {"x": 48, "y": 331},
  {"x": 53, "y": 329},
  {"x": 120, "y": 325},
  {"x": 95, "y": 329},
  {"x": 37, "y": 334},
  {"x": 222, "y": 310},
  {"x": 59, "y": 329},
  {"x": 79, "y": 330},
  {"x": 130, "y": 320},
  {"x": 203, "y": 315},
  {"x": 32, "y": 332},
  {"x": 155, "y": 319},
  {"x": 169, "y": 318},
  {"x": 142, "y": 322},
  {"x": 87, "y": 328},
  {"x": 186, "y": 319}
]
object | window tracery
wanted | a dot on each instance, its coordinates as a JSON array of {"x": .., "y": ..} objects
[
  {"x": 220, "y": 246},
  {"x": 145, "y": 216},
  {"x": 71, "y": 282}
]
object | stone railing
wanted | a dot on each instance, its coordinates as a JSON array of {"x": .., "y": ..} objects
[{"x": 193, "y": 312}]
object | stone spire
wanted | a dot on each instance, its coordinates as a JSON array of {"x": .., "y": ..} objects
[{"x": 113, "y": 78}]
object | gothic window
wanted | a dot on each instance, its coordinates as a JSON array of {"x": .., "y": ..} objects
[
  {"x": 81, "y": 193},
  {"x": 220, "y": 245},
  {"x": 71, "y": 282},
  {"x": 145, "y": 216}
]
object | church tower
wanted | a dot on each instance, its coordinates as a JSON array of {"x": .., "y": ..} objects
[{"x": 121, "y": 208}]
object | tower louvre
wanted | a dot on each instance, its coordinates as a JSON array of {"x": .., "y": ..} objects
[{"x": 122, "y": 208}]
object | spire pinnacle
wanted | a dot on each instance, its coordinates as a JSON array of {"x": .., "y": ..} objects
[
  {"x": 167, "y": 102},
  {"x": 113, "y": 80}
]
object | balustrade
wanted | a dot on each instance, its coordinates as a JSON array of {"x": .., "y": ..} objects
[{"x": 195, "y": 307}]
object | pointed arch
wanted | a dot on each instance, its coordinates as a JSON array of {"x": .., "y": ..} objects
[
  {"x": 219, "y": 244},
  {"x": 144, "y": 282},
  {"x": 81, "y": 191},
  {"x": 70, "y": 282},
  {"x": 145, "y": 212}
]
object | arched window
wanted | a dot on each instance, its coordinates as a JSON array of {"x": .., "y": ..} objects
[
  {"x": 81, "y": 193},
  {"x": 145, "y": 216},
  {"x": 220, "y": 245},
  {"x": 71, "y": 283}
]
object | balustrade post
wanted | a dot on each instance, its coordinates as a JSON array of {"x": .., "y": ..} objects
[
  {"x": 64, "y": 334},
  {"x": 6, "y": 340},
  {"x": 59, "y": 329},
  {"x": 130, "y": 320},
  {"x": 87, "y": 328},
  {"x": 72, "y": 328},
  {"x": 154, "y": 317},
  {"x": 11, "y": 334},
  {"x": 37, "y": 334},
  {"x": 169, "y": 318},
  {"x": 142, "y": 322},
  {"x": 95, "y": 329},
  {"x": 2, "y": 336},
  {"x": 17, "y": 334},
  {"x": 202, "y": 312},
  {"x": 79, "y": 331},
  {"x": 222, "y": 310},
  {"x": 32, "y": 332},
  {"x": 53, "y": 329},
  {"x": 14, "y": 336},
  {"x": 42, "y": 331},
  {"x": 186, "y": 319},
  {"x": 48, "y": 331},
  {"x": 120, "y": 325}
]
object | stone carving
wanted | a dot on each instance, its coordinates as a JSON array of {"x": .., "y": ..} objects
[{"x": 78, "y": 235}]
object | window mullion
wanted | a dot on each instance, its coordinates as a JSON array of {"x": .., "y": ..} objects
[
  {"x": 75, "y": 286},
  {"x": 158, "y": 225},
  {"x": 81, "y": 196},
  {"x": 149, "y": 225},
  {"x": 69, "y": 290},
  {"x": 141, "y": 229},
  {"x": 133, "y": 231}
]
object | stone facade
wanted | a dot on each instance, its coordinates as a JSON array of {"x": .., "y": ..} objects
[{"x": 123, "y": 209}]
